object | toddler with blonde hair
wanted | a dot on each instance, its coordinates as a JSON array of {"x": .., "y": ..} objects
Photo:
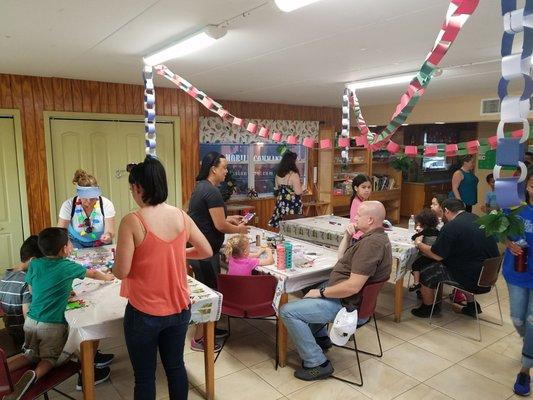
[{"x": 240, "y": 260}]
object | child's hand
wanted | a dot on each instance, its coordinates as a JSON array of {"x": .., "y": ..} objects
[
  {"x": 105, "y": 238},
  {"x": 109, "y": 277}
]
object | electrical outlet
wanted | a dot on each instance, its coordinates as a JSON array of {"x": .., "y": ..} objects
[{"x": 256, "y": 219}]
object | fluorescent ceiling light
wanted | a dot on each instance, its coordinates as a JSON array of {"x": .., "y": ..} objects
[
  {"x": 187, "y": 45},
  {"x": 391, "y": 80},
  {"x": 440, "y": 123},
  {"x": 372, "y": 126},
  {"x": 291, "y": 5}
]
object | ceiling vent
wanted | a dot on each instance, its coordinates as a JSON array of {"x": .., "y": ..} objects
[{"x": 492, "y": 106}]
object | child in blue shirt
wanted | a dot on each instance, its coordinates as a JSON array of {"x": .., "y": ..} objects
[{"x": 490, "y": 196}]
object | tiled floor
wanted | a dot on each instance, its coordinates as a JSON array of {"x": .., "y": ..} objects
[{"x": 419, "y": 362}]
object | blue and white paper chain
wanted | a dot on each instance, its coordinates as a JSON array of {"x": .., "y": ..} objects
[
  {"x": 149, "y": 111},
  {"x": 510, "y": 191}
]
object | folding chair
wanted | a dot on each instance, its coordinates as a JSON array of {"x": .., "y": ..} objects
[
  {"x": 248, "y": 297},
  {"x": 487, "y": 279},
  {"x": 41, "y": 388}
]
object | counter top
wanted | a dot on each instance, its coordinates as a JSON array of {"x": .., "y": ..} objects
[{"x": 429, "y": 182}]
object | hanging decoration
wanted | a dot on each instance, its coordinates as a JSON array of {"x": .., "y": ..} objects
[
  {"x": 458, "y": 13},
  {"x": 149, "y": 111}
]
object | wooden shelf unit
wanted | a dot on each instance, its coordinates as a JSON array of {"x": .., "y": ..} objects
[{"x": 329, "y": 172}]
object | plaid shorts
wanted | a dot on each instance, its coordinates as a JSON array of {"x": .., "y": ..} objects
[{"x": 433, "y": 274}]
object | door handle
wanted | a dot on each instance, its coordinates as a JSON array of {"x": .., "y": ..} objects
[
  {"x": 119, "y": 173},
  {"x": 1, "y": 229}
]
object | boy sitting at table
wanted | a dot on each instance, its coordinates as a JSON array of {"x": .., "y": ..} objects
[
  {"x": 15, "y": 297},
  {"x": 50, "y": 281}
]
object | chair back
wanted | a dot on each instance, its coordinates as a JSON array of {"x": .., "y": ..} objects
[
  {"x": 247, "y": 296},
  {"x": 6, "y": 384},
  {"x": 369, "y": 298},
  {"x": 490, "y": 271}
]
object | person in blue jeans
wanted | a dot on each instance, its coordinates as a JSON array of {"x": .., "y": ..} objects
[
  {"x": 368, "y": 260},
  {"x": 520, "y": 286}
]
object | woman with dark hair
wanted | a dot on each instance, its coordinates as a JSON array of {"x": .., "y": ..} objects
[
  {"x": 287, "y": 189},
  {"x": 208, "y": 211},
  {"x": 464, "y": 182},
  {"x": 151, "y": 261}
]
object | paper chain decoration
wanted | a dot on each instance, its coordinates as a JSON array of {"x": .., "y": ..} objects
[
  {"x": 217, "y": 108},
  {"x": 458, "y": 13},
  {"x": 149, "y": 111},
  {"x": 510, "y": 191}
]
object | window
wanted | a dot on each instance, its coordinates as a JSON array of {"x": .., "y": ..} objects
[{"x": 254, "y": 165}]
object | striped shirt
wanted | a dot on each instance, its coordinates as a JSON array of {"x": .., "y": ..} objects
[{"x": 14, "y": 292}]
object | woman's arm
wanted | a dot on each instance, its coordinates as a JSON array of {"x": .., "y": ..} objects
[
  {"x": 125, "y": 248},
  {"x": 62, "y": 223},
  {"x": 456, "y": 181},
  {"x": 201, "y": 248},
  {"x": 296, "y": 184},
  {"x": 109, "y": 232},
  {"x": 222, "y": 224}
]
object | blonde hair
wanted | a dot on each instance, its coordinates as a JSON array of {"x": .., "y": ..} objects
[
  {"x": 82, "y": 178},
  {"x": 236, "y": 246}
]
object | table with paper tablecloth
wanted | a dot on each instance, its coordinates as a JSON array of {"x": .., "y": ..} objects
[
  {"x": 103, "y": 311},
  {"x": 314, "y": 266},
  {"x": 328, "y": 230}
]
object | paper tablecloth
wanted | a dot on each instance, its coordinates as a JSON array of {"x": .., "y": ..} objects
[
  {"x": 104, "y": 309},
  {"x": 328, "y": 230}
]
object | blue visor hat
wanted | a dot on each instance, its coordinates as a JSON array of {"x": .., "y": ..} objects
[{"x": 88, "y": 192}]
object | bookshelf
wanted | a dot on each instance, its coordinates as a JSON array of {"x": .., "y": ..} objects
[{"x": 335, "y": 178}]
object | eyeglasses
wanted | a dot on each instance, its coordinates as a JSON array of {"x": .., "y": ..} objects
[
  {"x": 130, "y": 167},
  {"x": 88, "y": 225}
]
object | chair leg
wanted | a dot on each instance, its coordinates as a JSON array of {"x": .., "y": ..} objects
[
  {"x": 500, "y": 323},
  {"x": 277, "y": 344},
  {"x": 360, "y": 383},
  {"x": 477, "y": 319},
  {"x": 61, "y": 393},
  {"x": 45, "y": 395},
  {"x": 439, "y": 285},
  {"x": 224, "y": 340},
  {"x": 380, "y": 354}
]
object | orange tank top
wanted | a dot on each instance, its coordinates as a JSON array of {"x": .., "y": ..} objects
[{"x": 157, "y": 282}]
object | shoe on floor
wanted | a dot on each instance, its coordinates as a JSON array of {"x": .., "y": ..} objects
[
  {"x": 457, "y": 296},
  {"x": 221, "y": 333},
  {"x": 424, "y": 311},
  {"x": 315, "y": 373},
  {"x": 100, "y": 375},
  {"x": 22, "y": 386},
  {"x": 102, "y": 360},
  {"x": 324, "y": 342},
  {"x": 522, "y": 385},
  {"x": 468, "y": 309},
  {"x": 198, "y": 345}
]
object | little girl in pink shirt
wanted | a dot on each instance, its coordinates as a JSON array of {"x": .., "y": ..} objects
[
  {"x": 241, "y": 261},
  {"x": 362, "y": 189}
]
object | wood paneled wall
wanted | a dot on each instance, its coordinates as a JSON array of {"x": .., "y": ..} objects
[{"x": 33, "y": 95}]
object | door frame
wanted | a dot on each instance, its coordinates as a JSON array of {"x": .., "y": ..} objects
[
  {"x": 50, "y": 115},
  {"x": 19, "y": 148}
]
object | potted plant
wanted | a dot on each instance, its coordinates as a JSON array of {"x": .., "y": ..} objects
[
  {"x": 502, "y": 224},
  {"x": 402, "y": 163}
]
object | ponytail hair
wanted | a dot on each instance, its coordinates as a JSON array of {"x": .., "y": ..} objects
[
  {"x": 151, "y": 176},
  {"x": 236, "y": 246},
  {"x": 82, "y": 178},
  {"x": 211, "y": 159},
  {"x": 359, "y": 179}
]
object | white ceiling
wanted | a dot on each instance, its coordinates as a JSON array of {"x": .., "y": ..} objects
[{"x": 303, "y": 57}]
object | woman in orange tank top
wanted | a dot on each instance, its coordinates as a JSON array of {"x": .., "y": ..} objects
[{"x": 150, "y": 260}]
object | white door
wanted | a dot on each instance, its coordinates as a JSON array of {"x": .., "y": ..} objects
[
  {"x": 11, "y": 221},
  {"x": 103, "y": 149}
]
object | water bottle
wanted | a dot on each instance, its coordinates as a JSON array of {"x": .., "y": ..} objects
[
  {"x": 411, "y": 225},
  {"x": 520, "y": 261}
]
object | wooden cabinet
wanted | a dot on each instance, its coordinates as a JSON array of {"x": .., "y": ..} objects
[
  {"x": 416, "y": 196},
  {"x": 334, "y": 183}
]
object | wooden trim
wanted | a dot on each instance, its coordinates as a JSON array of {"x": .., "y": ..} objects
[{"x": 17, "y": 126}]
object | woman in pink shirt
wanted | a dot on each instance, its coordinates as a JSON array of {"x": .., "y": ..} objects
[
  {"x": 362, "y": 189},
  {"x": 241, "y": 261},
  {"x": 150, "y": 260}
]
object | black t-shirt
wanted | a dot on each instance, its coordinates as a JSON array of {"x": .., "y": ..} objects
[
  {"x": 204, "y": 197},
  {"x": 463, "y": 247}
]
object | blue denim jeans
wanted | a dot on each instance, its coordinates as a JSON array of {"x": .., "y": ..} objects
[
  {"x": 521, "y": 300},
  {"x": 144, "y": 335}
]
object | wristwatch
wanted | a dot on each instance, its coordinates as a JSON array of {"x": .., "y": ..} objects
[{"x": 321, "y": 290}]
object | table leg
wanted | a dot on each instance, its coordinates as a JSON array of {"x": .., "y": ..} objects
[
  {"x": 209, "y": 359},
  {"x": 87, "y": 369},
  {"x": 282, "y": 334},
  {"x": 398, "y": 299}
]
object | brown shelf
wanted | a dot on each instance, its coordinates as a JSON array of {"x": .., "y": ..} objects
[{"x": 351, "y": 163}]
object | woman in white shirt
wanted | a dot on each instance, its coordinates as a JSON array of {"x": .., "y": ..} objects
[{"x": 88, "y": 216}]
